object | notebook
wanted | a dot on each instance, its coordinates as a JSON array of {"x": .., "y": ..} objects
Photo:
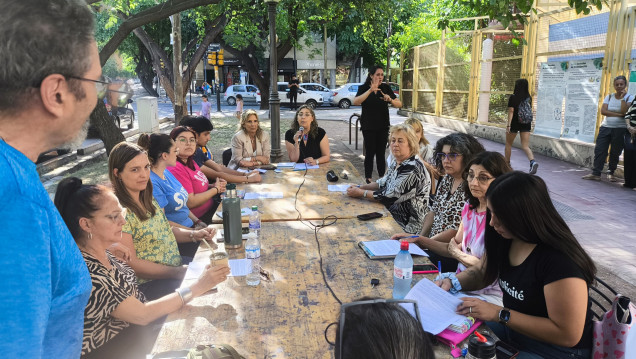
[{"x": 387, "y": 248}]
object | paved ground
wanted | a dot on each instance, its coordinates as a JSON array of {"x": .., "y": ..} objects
[{"x": 599, "y": 213}]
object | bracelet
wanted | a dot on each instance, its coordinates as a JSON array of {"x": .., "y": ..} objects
[
  {"x": 365, "y": 193},
  {"x": 192, "y": 236},
  {"x": 185, "y": 294},
  {"x": 247, "y": 179},
  {"x": 317, "y": 162},
  {"x": 454, "y": 281}
]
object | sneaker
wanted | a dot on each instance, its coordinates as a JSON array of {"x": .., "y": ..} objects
[
  {"x": 591, "y": 177},
  {"x": 611, "y": 178},
  {"x": 533, "y": 167}
]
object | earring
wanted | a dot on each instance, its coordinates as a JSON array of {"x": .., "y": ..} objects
[{"x": 90, "y": 236}]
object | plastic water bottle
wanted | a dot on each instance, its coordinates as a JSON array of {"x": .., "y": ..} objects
[
  {"x": 402, "y": 272},
  {"x": 253, "y": 253},
  {"x": 255, "y": 222}
]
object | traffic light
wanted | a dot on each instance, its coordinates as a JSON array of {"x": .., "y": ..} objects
[
  {"x": 212, "y": 58},
  {"x": 220, "y": 57}
]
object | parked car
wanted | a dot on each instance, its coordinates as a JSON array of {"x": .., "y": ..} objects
[
  {"x": 396, "y": 88},
  {"x": 250, "y": 93},
  {"x": 310, "y": 98},
  {"x": 326, "y": 93},
  {"x": 343, "y": 96}
]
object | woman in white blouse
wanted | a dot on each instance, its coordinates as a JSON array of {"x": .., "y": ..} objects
[{"x": 251, "y": 145}]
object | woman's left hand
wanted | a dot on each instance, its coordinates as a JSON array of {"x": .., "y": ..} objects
[
  {"x": 310, "y": 161},
  {"x": 387, "y": 98},
  {"x": 479, "y": 309},
  {"x": 204, "y": 234},
  {"x": 354, "y": 191},
  {"x": 120, "y": 251},
  {"x": 220, "y": 184}
]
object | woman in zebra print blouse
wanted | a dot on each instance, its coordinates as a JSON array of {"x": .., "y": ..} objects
[
  {"x": 405, "y": 188},
  {"x": 95, "y": 218}
]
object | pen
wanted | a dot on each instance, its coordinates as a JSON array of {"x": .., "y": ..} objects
[
  {"x": 439, "y": 267},
  {"x": 408, "y": 237}
]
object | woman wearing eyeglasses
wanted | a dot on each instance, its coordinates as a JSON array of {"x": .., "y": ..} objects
[
  {"x": 405, "y": 187},
  {"x": 95, "y": 219},
  {"x": 452, "y": 155},
  {"x": 311, "y": 145},
  {"x": 251, "y": 145},
  {"x": 468, "y": 245},
  {"x": 542, "y": 270},
  {"x": 200, "y": 193},
  {"x": 152, "y": 242}
]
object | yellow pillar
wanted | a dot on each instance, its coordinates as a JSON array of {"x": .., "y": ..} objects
[
  {"x": 416, "y": 76},
  {"x": 440, "y": 74}
]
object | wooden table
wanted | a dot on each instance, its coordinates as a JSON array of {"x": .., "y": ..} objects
[
  {"x": 286, "y": 316},
  {"x": 314, "y": 200}
]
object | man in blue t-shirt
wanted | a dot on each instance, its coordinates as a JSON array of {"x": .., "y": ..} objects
[{"x": 49, "y": 81}]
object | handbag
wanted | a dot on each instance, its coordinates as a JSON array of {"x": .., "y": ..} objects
[
  {"x": 611, "y": 335},
  {"x": 630, "y": 142}
]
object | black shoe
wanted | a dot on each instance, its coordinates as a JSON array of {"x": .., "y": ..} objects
[{"x": 368, "y": 180}]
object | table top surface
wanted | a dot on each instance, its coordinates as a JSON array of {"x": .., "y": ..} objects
[
  {"x": 313, "y": 201},
  {"x": 286, "y": 316}
]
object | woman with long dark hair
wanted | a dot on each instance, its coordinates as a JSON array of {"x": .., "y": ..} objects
[
  {"x": 309, "y": 145},
  {"x": 543, "y": 272},
  {"x": 516, "y": 100},
  {"x": 375, "y": 97}
]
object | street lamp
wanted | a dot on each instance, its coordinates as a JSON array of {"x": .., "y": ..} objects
[{"x": 274, "y": 101}]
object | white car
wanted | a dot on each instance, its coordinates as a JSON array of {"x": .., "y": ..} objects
[
  {"x": 311, "y": 98},
  {"x": 250, "y": 93},
  {"x": 326, "y": 93},
  {"x": 343, "y": 96}
]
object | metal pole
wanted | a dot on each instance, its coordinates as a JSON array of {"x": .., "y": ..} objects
[
  {"x": 274, "y": 101},
  {"x": 191, "y": 84}
]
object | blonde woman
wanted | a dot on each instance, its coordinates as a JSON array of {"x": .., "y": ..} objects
[
  {"x": 251, "y": 145},
  {"x": 404, "y": 189},
  {"x": 426, "y": 150}
]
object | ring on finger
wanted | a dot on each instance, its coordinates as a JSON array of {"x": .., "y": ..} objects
[{"x": 470, "y": 309}]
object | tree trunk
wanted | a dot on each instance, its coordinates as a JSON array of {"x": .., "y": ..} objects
[
  {"x": 179, "y": 97},
  {"x": 352, "y": 69},
  {"x": 144, "y": 71},
  {"x": 106, "y": 129}
]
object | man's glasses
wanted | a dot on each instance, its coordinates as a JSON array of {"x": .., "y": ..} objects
[
  {"x": 440, "y": 156},
  {"x": 343, "y": 309},
  {"x": 101, "y": 85},
  {"x": 481, "y": 179}
]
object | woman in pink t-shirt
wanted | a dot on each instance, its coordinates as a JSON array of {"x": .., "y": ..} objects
[
  {"x": 200, "y": 193},
  {"x": 468, "y": 244}
]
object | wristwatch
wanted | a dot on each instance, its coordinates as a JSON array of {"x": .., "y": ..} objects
[{"x": 504, "y": 316}]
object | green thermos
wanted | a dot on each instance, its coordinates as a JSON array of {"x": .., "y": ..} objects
[{"x": 232, "y": 218}]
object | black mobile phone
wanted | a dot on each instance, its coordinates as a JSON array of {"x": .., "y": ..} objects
[
  {"x": 424, "y": 268},
  {"x": 368, "y": 216},
  {"x": 505, "y": 350},
  {"x": 245, "y": 230}
]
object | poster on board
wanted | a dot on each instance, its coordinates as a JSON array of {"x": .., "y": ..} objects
[
  {"x": 550, "y": 95},
  {"x": 631, "y": 89},
  {"x": 583, "y": 84}
]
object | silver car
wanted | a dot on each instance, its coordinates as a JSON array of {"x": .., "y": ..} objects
[
  {"x": 250, "y": 93},
  {"x": 343, "y": 96},
  {"x": 318, "y": 89}
]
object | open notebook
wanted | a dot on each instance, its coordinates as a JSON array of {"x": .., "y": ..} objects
[{"x": 387, "y": 248}]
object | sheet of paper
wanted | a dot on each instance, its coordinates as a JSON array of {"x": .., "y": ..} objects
[
  {"x": 195, "y": 269},
  {"x": 243, "y": 170},
  {"x": 303, "y": 166},
  {"x": 436, "y": 306},
  {"x": 245, "y": 211},
  {"x": 390, "y": 247},
  {"x": 263, "y": 195},
  {"x": 338, "y": 187},
  {"x": 278, "y": 170},
  {"x": 285, "y": 164},
  {"x": 240, "y": 267}
]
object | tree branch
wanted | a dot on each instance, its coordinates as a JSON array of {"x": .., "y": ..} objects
[{"x": 152, "y": 14}]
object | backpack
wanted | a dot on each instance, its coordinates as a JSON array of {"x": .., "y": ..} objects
[{"x": 525, "y": 111}]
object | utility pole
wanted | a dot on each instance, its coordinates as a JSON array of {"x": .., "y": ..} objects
[
  {"x": 388, "y": 53},
  {"x": 176, "y": 69},
  {"x": 324, "y": 53}
]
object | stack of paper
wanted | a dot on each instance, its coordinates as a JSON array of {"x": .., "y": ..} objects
[
  {"x": 285, "y": 165},
  {"x": 245, "y": 211},
  {"x": 387, "y": 248},
  {"x": 304, "y": 166},
  {"x": 338, "y": 187},
  {"x": 263, "y": 195}
]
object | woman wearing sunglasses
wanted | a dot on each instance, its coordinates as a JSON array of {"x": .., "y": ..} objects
[
  {"x": 95, "y": 219},
  {"x": 453, "y": 153},
  {"x": 542, "y": 270}
]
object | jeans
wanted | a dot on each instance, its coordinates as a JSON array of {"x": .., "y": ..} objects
[
  {"x": 533, "y": 349},
  {"x": 375, "y": 146},
  {"x": 608, "y": 138}
]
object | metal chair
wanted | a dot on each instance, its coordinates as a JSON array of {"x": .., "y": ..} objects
[{"x": 602, "y": 296}]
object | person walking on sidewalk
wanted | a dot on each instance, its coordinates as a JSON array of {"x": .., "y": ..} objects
[
  {"x": 375, "y": 97},
  {"x": 611, "y": 133},
  {"x": 44, "y": 104},
  {"x": 520, "y": 99},
  {"x": 206, "y": 107}
]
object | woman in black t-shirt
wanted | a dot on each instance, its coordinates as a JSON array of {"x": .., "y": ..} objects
[
  {"x": 311, "y": 145},
  {"x": 375, "y": 96},
  {"x": 519, "y": 95},
  {"x": 543, "y": 271}
]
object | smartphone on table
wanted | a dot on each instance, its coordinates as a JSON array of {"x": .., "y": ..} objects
[
  {"x": 425, "y": 268},
  {"x": 368, "y": 216}
]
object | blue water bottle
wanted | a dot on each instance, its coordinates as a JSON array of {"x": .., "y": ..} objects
[{"x": 402, "y": 272}]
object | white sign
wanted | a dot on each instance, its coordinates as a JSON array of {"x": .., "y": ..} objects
[
  {"x": 583, "y": 80},
  {"x": 550, "y": 96}
]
